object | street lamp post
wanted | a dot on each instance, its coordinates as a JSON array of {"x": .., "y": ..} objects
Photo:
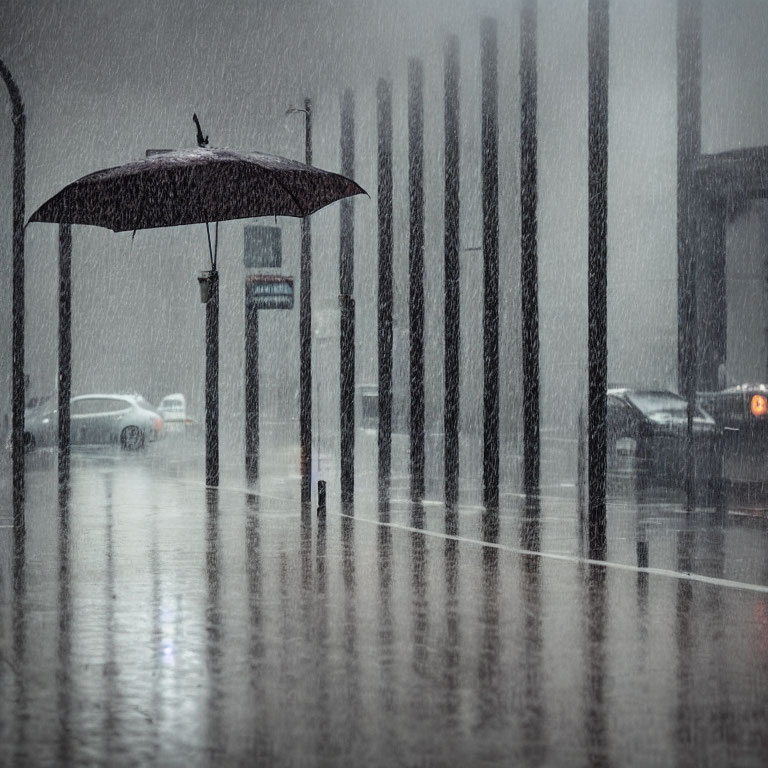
[
  {"x": 65, "y": 349},
  {"x": 490, "y": 203},
  {"x": 597, "y": 332},
  {"x": 17, "y": 439},
  {"x": 209, "y": 295},
  {"x": 452, "y": 270},
  {"x": 305, "y": 326},
  {"x": 529, "y": 257},
  {"x": 347, "y": 307}
]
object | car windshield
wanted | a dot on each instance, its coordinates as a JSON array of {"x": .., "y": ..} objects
[
  {"x": 88, "y": 406},
  {"x": 657, "y": 403}
]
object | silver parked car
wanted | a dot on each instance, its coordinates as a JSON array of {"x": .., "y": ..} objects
[{"x": 127, "y": 420}]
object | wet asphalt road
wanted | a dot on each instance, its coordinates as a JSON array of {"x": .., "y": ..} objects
[{"x": 147, "y": 620}]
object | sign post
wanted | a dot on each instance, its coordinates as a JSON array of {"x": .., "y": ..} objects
[{"x": 261, "y": 292}]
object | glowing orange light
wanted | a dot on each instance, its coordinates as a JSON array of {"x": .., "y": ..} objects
[{"x": 759, "y": 405}]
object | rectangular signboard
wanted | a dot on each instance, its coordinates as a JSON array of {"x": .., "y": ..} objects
[
  {"x": 269, "y": 292},
  {"x": 262, "y": 247}
]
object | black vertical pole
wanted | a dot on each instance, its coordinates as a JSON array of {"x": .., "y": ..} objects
[
  {"x": 384, "y": 101},
  {"x": 596, "y": 679},
  {"x": 212, "y": 383},
  {"x": 251, "y": 389},
  {"x": 347, "y": 306},
  {"x": 416, "y": 270},
  {"x": 305, "y": 331},
  {"x": 65, "y": 346},
  {"x": 17, "y": 338},
  {"x": 529, "y": 267},
  {"x": 451, "y": 271},
  {"x": 64, "y": 646},
  {"x": 597, "y": 272},
  {"x": 490, "y": 183},
  {"x": 688, "y": 149}
]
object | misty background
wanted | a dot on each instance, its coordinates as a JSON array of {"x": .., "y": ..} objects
[{"x": 102, "y": 82}]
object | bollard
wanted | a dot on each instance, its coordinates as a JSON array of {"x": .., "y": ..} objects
[
  {"x": 642, "y": 554},
  {"x": 321, "y": 498}
]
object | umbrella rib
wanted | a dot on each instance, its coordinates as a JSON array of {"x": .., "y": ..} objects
[{"x": 292, "y": 196}]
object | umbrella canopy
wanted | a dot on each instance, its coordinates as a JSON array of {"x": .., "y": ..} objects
[{"x": 192, "y": 186}]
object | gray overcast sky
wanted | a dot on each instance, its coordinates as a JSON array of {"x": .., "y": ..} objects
[{"x": 103, "y": 80}]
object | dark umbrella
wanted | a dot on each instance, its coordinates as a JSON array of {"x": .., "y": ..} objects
[{"x": 192, "y": 186}]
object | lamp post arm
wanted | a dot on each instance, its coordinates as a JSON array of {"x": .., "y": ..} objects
[
  {"x": 17, "y": 438},
  {"x": 14, "y": 93}
]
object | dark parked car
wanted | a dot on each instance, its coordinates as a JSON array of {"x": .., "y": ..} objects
[
  {"x": 647, "y": 434},
  {"x": 742, "y": 414}
]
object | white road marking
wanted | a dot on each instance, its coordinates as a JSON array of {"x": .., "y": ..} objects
[{"x": 680, "y": 575}]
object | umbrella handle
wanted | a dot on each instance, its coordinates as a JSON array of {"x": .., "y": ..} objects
[{"x": 201, "y": 140}]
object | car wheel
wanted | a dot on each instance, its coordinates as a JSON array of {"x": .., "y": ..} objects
[
  {"x": 131, "y": 438},
  {"x": 29, "y": 442}
]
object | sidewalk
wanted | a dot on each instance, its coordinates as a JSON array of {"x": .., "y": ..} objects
[{"x": 154, "y": 622}]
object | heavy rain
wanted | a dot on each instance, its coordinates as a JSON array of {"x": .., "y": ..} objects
[{"x": 399, "y": 398}]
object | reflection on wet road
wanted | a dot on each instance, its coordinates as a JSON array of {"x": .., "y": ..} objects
[{"x": 149, "y": 621}]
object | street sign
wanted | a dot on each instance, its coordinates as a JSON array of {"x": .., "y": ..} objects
[
  {"x": 262, "y": 246},
  {"x": 268, "y": 292}
]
